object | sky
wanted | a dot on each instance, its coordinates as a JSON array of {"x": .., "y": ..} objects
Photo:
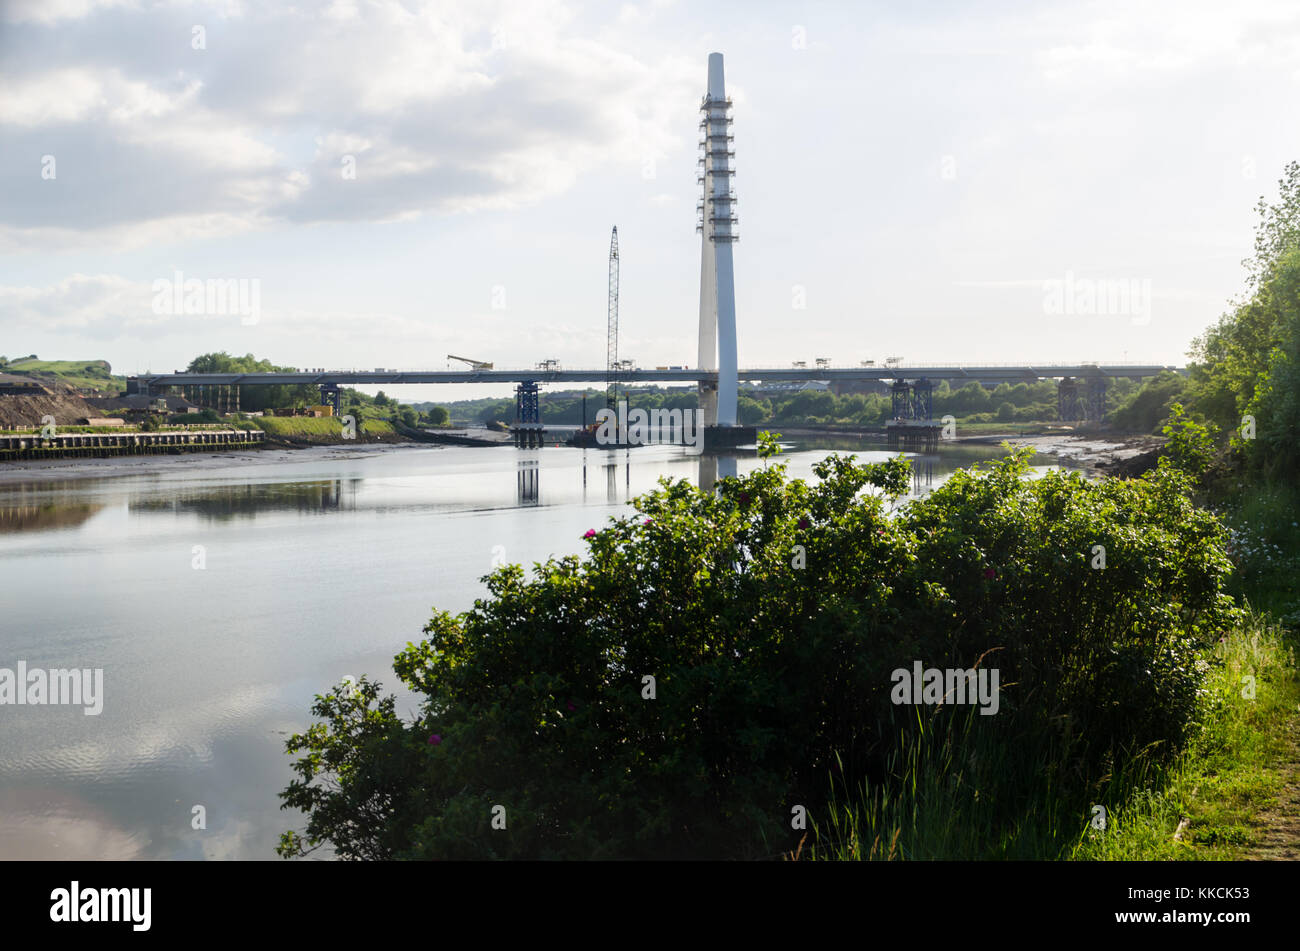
[{"x": 397, "y": 181}]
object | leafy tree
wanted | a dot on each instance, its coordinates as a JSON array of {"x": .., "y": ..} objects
[
  {"x": 438, "y": 415},
  {"x": 1278, "y": 231},
  {"x": 1150, "y": 405},
  {"x": 260, "y": 397},
  {"x": 750, "y": 411}
]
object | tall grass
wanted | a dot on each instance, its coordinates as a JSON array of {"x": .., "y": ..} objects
[
  {"x": 1224, "y": 778},
  {"x": 960, "y": 788}
]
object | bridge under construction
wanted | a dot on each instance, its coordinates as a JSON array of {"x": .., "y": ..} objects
[{"x": 1081, "y": 387}]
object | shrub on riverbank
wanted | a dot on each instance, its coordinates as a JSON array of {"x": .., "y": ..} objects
[{"x": 771, "y": 618}]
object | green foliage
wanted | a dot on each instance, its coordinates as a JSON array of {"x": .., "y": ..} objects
[
  {"x": 314, "y": 428},
  {"x": 1148, "y": 407},
  {"x": 1277, "y": 233},
  {"x": 750, "y": 411},
  {"x": 770, "y": 616},
  {"x": 1190, "y": 444},
  {"x": 207, "y": 415},
  {"x": 256, "y": 398},
  {"x": 1224, "y": 779},
  {"x": 1249, "y": 362},
  {"x": 437, "y": 415}
]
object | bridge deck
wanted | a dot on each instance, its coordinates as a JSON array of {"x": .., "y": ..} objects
[{"x": 984, "y": 374}]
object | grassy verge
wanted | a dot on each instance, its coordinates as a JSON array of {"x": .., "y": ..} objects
[
  {"x": 321, "y": 429},
  {"x": 85, "y": 374},
  {"x": 1206, "y": 805}
]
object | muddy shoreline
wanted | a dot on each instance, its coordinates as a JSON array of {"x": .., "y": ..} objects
[
  {"x": 1094, "y": 453},
  {"x": 59, "y": 470}
]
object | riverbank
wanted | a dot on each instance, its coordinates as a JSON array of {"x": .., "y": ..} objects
[
  {"x": 58, "y": 470},
  {"x": 1095, "y": 454}
]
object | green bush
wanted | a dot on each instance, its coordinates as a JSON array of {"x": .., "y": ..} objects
[
  {"x": 1189, "y": 444},
  {"x": 207, "y": 415},
  {"x": 770, "y": 616}
]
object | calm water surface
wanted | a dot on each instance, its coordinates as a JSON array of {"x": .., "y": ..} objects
[{"x": 314, "y": 570}]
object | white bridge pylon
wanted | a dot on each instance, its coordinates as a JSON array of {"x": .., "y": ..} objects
[{"x": 717, "y": 226}]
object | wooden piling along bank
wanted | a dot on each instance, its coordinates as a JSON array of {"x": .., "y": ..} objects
[{"x": 71, "y": 445}]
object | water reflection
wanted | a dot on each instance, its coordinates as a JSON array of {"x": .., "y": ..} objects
[
  {"x": 528, "y": 479},
  {"x": 45, "y": 516},
  {"x": 315, "y": 569},
  {"x": 226, "y": 502},
  {"x": 923, "y": 474}
]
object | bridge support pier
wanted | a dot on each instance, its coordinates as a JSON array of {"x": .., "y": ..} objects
[
  {"x": 901, "y": 400},
  {"x": 1096, "y": 398},
  {"x": 922, "y": 399},
  {"x": 912, "y": 428},
  {"x": 1067, "y": 399},
  {"x": 528, "y": 430},
  {"x": 1081, "y": 400},
  {"x": 329, "y": 396}
]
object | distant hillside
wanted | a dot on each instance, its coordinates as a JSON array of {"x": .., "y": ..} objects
[{"x": 82, "y": 374}]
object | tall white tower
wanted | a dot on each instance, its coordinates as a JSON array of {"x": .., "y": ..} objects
[{"x": 717, "y": 225}]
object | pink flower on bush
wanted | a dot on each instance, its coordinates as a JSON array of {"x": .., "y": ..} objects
[
  {"x": 572, "y": 705},
  {"x": 435, "y": 739},
  {"x": 649, "y": 520},
  {"x": 990, "y": 573},
  {"x": 803, "y": 523},
  {"x": 591, "y": 533}
]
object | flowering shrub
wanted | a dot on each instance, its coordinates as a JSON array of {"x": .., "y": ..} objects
[{"x": 717, "y": 657}]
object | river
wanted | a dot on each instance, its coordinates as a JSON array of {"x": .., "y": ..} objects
[{"x": 218, "y": 599}]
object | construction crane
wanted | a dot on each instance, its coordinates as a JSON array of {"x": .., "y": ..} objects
[
  {"x": 476, "y": 364},
  {"x": 611, "y": 356}
]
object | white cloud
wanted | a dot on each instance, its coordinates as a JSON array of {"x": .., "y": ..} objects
[
  {"x": 47, "y": 12},
  {"x": 445, "y": 107}
]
